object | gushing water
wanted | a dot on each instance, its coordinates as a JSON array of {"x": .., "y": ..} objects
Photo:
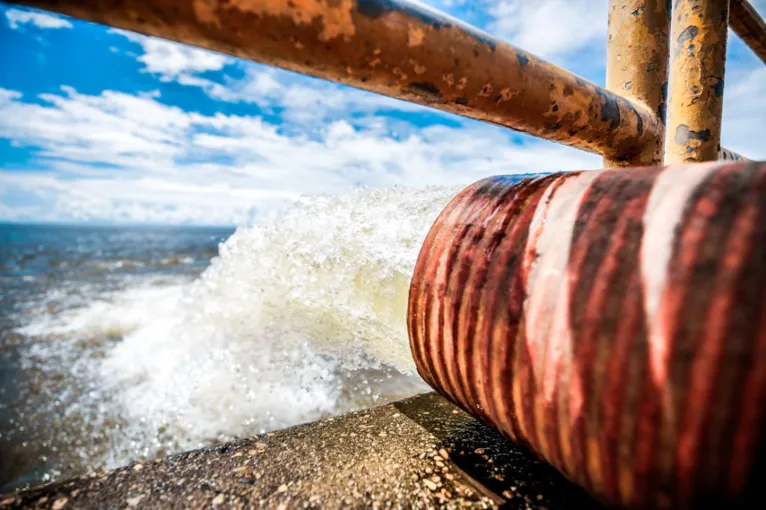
[{"x": 298, "y": 317}]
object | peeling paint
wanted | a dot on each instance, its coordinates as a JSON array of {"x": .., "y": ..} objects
[
  {"x": 684, "y": 135},
  {"x": 688, "y": 34},
  {"x": 486, "y": 91},
  {"x": 505, "y": 94},
  {"x": 415, "y": 36}
]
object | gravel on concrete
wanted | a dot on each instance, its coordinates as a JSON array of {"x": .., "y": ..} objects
[{"x": 422, "y": 452}]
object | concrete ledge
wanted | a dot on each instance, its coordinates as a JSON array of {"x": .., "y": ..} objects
[{"x": 422, "y": 452}]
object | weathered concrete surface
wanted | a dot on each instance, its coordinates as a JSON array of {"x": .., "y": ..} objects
[{"x": 418, "y": 453}]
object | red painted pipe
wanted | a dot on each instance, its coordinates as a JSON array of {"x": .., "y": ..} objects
[{"x": 614, "y": 321}]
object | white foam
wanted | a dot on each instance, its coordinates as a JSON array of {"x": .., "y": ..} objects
[
  {"x": 281, "y": 327},
  {"x": 110, "y": 315}
]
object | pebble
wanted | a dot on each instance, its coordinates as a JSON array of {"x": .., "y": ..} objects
[
  {"x": 133, "y": 502},
  {"x": 444, "y": 454},
  {"x": 282, "y": 488},
  {"x": 138, "y": 467},
  {"x": 60, "y": 503},
  {"x": 218, "y": 500},
  {"x": 431, "y": 485}
]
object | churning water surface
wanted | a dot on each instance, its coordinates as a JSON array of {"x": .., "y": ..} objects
[{"x": 123, "y": 343}]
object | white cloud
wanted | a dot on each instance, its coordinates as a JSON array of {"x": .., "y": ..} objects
[
  {"x": 123, "y": 157},
  {"x": 127, "y": 158},
  {"x": 7, "y": 96},
  {"x": 135, "y": 200},
  {"x": 18, "y": 17},
  {"x": 305, "y": 100},
  {"x": 554, "y": 29},
  {"x": 744, "y": 110},
  {"x": 172, "y": 61},
  {"x": 550, "y": 28}
]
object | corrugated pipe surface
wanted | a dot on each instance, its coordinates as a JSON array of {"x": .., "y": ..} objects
[{"x": 614, "y": 321}]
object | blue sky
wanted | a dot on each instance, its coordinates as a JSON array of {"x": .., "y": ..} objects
[{"x": 102, "y": 125}]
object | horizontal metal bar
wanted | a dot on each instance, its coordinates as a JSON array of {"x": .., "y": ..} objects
[
  {"x": 399, "y": 49},
  {"x": 728, "y": 155},
  {"x": 749, "y": 25}
]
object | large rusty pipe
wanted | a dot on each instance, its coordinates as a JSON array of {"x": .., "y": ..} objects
[
  {"x": 399, "y": 49},
  {"x": 614, "y": 321},
  {"x": 749, "y": 25},
  {"x": 637, "y": 64},
  {"x": 697, "y": 64}
]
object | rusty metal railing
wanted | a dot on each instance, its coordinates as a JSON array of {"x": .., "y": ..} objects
[
  {"x": 748, "y": 24},
  {"x": 418, "y": 54}
]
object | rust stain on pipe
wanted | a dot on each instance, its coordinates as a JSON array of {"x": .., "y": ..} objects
[
  {"x": 637, "y": 64},
  {"x": 399, "y": 49},
  {"x": 749, "y": 25},
  {"x": 614, "y": 321},
  {"x": 698, "y": 59}
]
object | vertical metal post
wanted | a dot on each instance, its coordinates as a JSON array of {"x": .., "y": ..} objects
[
  {"x": 697, "y": 61},
  {"x": 637, "y": 63}
]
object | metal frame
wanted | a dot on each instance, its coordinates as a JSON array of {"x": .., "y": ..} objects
[{"x": 418, "y": 54}]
